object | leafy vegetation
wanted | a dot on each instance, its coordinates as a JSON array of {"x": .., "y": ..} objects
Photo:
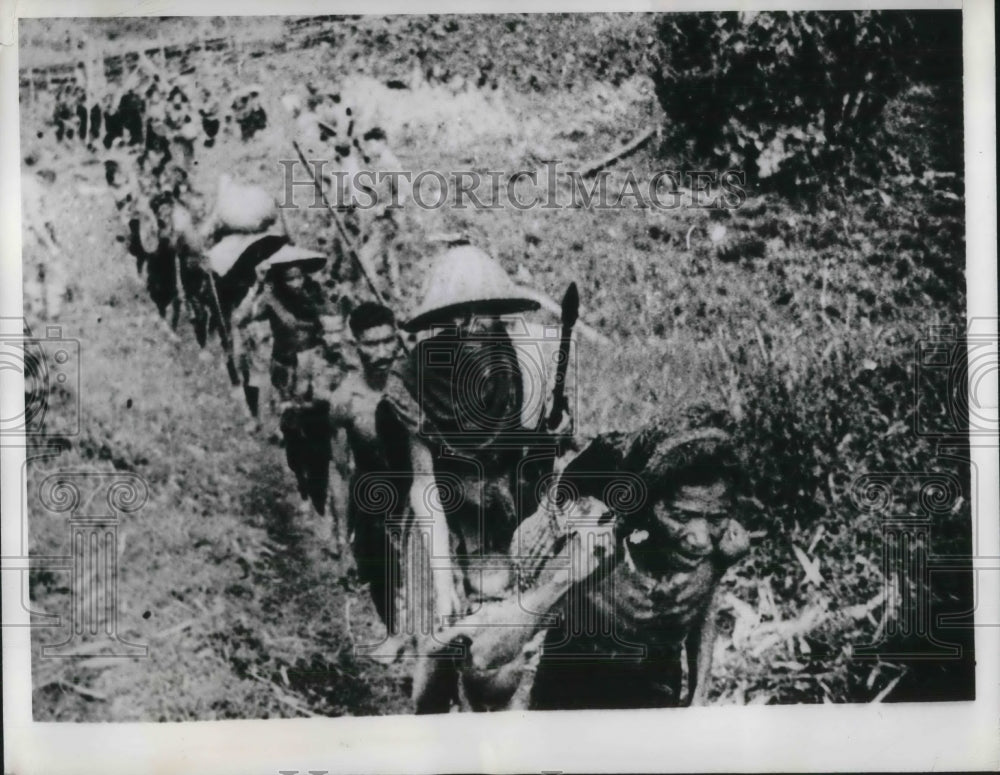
[
  {"x": 802, "y": 312},
  {"x": 797, "y": 99}
]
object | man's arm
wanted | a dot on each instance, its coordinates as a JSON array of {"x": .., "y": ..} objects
[
  {"x": 339, "y": 416},
  {"x": 253, "y": 307},
  {"x": 545, "y": 564},
  {"x": 446, "y": 600},
  {"x": 700, "y": 648}
]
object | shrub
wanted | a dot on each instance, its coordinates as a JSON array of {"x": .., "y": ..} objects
[{"x": 787, "y": 97}]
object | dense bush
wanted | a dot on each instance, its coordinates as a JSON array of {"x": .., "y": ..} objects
[{"x": 793, "y": 98}]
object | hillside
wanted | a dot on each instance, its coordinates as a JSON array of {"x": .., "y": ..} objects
[{"x": 801, "y": 316}]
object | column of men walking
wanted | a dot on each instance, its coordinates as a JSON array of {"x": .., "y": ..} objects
[{"x": 443, "y": 448}]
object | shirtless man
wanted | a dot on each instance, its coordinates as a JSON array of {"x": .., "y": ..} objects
[{"x": 352, "y": 408}]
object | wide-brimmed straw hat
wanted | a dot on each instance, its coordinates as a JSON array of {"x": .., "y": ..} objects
[{"x": 467, "y": 279}]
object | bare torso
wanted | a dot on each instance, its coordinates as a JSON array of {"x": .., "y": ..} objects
[{"x": 352, "y": 407}]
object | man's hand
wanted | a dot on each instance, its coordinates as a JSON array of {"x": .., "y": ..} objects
[
  {"x": 447, "y": 603},
  {"x": 565, "y": 426},
  {"x": 735, "y": 542}
]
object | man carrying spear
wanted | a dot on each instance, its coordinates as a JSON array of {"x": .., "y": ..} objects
[{"x": 468, "y": 421}]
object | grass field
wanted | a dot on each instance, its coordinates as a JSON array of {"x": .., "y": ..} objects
[{"x": 800, "y": 317}]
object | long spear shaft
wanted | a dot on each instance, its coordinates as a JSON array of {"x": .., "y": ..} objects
[
  {"x": 224, "y": 336},
  {"x": 366, "y": 270}
]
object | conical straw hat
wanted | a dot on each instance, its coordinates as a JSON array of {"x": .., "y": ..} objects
[{"x": 465, "y": 279}]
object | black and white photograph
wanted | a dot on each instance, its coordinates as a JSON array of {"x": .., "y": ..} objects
[{"x": 429, "y": 364}]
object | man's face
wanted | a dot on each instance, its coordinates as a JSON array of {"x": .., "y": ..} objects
[
  {"x": 293, "y": 278},
  {"x": 695, "y": 518},
  {"x": 164, "y": 215},
  {"x": 469, "y": 326},
  {"x": 377, "y": 348}
]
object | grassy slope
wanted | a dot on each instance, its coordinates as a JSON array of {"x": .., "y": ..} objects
[{"x": 785, "y": 335}]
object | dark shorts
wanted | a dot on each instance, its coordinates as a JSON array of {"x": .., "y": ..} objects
[
  {"x": 596, "y": 673},
  {"x": 376, "y": 554},
  {"x": 283, "y": 378}
]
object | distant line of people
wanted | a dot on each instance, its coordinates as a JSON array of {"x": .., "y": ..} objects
[
  {"x": 147, "y": 131},
  {"x": 150, "y": 108}
]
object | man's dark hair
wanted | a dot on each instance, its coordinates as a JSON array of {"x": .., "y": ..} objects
[{"x": 369, "y": 314}]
